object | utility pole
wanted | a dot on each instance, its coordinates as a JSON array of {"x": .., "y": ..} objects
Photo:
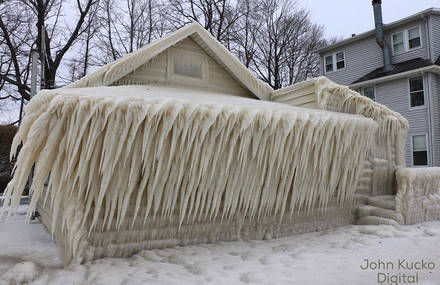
[
  {"x": 34, "y": 72},
  {"x": 43, "y": 57}
]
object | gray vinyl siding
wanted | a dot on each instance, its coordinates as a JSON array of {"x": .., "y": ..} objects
[
  {"x": 394, "y": 94},
  {"x": 435, "y": 22},
  {"x": 361, "y": 57},
  {"x": 418, "y": 52}
]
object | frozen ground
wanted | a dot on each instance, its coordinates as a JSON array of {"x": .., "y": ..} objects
[{"x": 330, "y": 257}]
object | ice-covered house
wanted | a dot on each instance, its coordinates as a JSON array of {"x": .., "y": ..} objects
[{"x": 178, "y": 143}]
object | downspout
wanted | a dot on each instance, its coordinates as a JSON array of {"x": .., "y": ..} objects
[
  {"x": 380, "y": 39},
  {"x": 430, "y": 122},
  {"x": 429, "y": 48}
]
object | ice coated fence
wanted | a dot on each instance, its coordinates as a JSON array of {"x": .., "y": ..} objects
[{"x": 418, "y": 194}]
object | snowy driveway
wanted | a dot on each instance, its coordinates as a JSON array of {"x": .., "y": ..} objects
[{"x": 329, "y": 257}]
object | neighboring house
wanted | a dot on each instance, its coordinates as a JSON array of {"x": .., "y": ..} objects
[{"x": 410, "y": 85}]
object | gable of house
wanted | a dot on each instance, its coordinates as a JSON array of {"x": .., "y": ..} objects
[
  {"x": 183, "y": 55},
  {"x": 185, "y": 64}
]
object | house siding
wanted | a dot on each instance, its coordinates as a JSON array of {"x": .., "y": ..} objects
[
  {"x": 435, "y": 97},
  {"x": 361, "y": 57},
  {"x": 435, "y": 22},
  {"x": 394, "y": 94}
]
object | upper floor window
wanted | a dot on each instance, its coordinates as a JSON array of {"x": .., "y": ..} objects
[
  {"x": 398, "y": 44},
  {"x": 416, "y": 92},
  {"x": 369, "y": 92},
  {"x": 329, "y": 63},
  {"x": 419, "y": 150},
  {"x": 406, "y": 40},
  {"x": 335, "y": 61},
  {"x": 414, "y": 38}
]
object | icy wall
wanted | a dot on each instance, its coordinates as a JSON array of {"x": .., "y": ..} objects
[
  {"x": 418, "y": 196},
  {"x": 127, "y": 156},
  {"x": 388, "y": 149}
]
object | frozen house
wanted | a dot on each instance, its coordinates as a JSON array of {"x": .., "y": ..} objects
[{"x": 178, "y": 143}]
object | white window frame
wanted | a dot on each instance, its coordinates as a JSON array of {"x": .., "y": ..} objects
[
  {"x": 334, "y": 62},
  {"x": 428, "y": 162},
  {"x": 374, "y": 88},
  {"x": 403, "y": 39},
  {"x": 420, "y": 35},
  {"x": 409, "y": 93},
  {"x": 405, "y": 34}
]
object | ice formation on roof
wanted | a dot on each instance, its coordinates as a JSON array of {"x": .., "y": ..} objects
[
  {"x": 185, "y": 153},
  {"x": 393, "y": 126}
]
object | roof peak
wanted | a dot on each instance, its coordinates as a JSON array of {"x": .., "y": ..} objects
[{"x": 111, "y": 72}]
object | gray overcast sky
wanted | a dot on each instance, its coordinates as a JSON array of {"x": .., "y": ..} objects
[{"x": 342, "y": 18}]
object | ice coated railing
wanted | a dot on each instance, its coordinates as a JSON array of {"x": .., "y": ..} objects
[{"x": 418, "y": 194}]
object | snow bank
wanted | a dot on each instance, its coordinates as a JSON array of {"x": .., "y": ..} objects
[
  {"x": 418, "y": 196},
  {"x": 127, "y": 156}
]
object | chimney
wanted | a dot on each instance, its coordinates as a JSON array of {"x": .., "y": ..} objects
[{"x": 380, "y": 39}]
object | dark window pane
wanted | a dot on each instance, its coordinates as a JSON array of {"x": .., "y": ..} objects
[
  {"x": 340, "y": 64},
  {"x": 369, "y": 92},
  {"x": 329, "y": 67},
  {"x": 417, "y": 99},
  {"x": 414, "y": 43},
  {"x": 420, "y": 157},
  {"x": 329, "y": 60},
  {"x": 415, "y": 84},
  {"x": 339, "y": 56}
]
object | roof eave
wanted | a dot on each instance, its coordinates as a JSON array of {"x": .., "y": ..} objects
[
  {"x": 432, "y": 68},
  {"x": 386, "y": 27}
]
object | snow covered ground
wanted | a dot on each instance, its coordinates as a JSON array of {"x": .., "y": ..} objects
[{"x": 329, "y": 257}]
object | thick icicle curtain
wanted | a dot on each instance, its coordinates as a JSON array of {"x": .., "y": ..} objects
[
  {"x": 393, "y": 127},
  {"x": 182, "y": 157}
]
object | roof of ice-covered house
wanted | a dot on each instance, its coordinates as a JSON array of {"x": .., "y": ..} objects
[{"x": 114, "y": 71}]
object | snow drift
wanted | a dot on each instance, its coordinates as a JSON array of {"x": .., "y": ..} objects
[{"x": 119, "y": 158}]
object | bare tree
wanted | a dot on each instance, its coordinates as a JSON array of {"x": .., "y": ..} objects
[
  {"x": 21, "y": 26},
  {"x": 127, "y": 26},
  {"x": 285, "y": 44},
  {"x": 244, "y": 30},
  {"x": 216, "y": 16}
]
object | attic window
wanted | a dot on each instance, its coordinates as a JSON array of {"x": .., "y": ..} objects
[{"x": 187, "y": 67}]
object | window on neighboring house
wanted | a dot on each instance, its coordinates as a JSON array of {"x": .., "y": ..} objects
[
  {"x": 398, "y": 43},
  {"x": 406, "y": 40},
  {"x": 420, "y": 150},
  {"x": 329, "y": 63},
  {"x": 416, "y": 92},
  {"x": 369, "y": 92},
  {"x": 340, "y": 60},
  {"x": 335, "y": 61},
  {"x": 414, "y": 38}
]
